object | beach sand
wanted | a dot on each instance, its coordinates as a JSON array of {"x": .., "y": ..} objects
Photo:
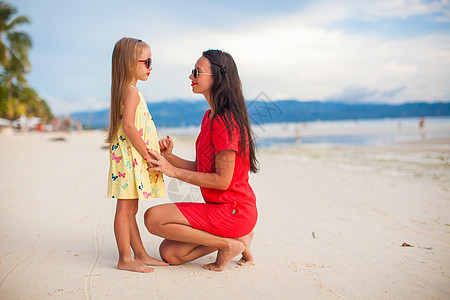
[{"x": 332, "y": 221}]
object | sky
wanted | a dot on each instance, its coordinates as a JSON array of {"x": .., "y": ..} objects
[{"x": 354, "y": 51}]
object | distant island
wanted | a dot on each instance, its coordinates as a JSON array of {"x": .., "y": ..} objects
[{"x": 187, "y": 113}]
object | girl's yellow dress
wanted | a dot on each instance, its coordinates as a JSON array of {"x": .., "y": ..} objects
[{"x": 128, "y": 175}]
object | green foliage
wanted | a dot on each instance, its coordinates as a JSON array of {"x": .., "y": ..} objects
[
  {"x": 16, "y": 98},
  {"x": 23, "y": 101}
]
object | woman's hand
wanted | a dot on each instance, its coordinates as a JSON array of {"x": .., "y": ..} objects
[
  {"x": 160, "y": 164},
  {"x": 166, "y": 146}
]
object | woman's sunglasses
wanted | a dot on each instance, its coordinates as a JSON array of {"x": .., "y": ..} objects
[
  {"x": 148, "y": 62},
  {"x": 195, "y": 73}
]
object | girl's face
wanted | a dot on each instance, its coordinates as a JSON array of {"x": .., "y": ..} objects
[
  {"x": 142, "y": 71},
  {"x": 203, "y": 83}
]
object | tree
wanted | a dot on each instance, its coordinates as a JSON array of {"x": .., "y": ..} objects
[
  {"x": 13, "y": 43},
  {"x": 16, "y": 98},
  {"x": 14, "y": 47}
]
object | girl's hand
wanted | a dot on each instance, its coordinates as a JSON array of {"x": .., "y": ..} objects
[
  {"x": 147, "y": 159},
  {"x": 166, "y": 146},
  {"x": 160, "y": 164}
]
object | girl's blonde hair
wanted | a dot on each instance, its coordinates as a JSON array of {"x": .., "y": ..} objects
[{"x": 124, "y": 61}]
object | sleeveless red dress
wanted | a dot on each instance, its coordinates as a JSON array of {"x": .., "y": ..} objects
[{"x": 228, "y": 213}]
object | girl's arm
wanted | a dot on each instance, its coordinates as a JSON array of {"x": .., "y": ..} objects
[
  {"x": 221, "y": 179},
  {"x": 130, "y": 103},
  {"x": 166, "y": 146}
]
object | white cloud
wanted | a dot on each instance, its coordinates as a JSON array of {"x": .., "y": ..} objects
[
  {"x": 287, "y": 58},
  {"x": 400, "y": 69},
  {"x": 326, "y": 12},
  {"x": 64, "y": 106}
]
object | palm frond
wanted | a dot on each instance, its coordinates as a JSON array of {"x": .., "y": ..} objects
[
  {"x": 19, "y": 41},
  {"x": 6, "y": 13},
  {"x": 20, "y": 20}
]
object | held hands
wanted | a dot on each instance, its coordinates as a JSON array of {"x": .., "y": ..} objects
[
  {"x": 166, "y": 146},
  {"x": 157, "y": 162}
]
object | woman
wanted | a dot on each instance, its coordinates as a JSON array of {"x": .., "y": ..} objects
[{"x": 225, "y": 153}]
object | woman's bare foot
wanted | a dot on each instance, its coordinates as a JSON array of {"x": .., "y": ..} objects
[
  {"x": 134, "y": 266},
  {"x": 224, "y": 256},
  {"x": 150, "y": 261},
  {"x": 247, "y": 258}
]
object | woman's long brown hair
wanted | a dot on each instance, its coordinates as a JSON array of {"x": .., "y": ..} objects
[
  {"x": 228, "y": 101},
  {"x": 124, "y": 60}
]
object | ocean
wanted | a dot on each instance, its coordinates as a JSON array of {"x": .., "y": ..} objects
[
  {"x": 370, "y": 132},
  {"x": 367, "y": 132}
]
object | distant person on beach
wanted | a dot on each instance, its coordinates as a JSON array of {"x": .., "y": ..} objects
[
  {"x": 422, "y": 123},
  {"x": 131, "y": 134},
  {"x": 79, "y": 126},
  {"x": 225, "y": 153}
]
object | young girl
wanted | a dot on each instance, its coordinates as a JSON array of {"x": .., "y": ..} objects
[{"x": 131, "y": 134}]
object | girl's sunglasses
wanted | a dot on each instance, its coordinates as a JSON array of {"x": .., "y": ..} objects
[
  {"x": 148, "y": 62},
  {"x": 195, "y": 73}
]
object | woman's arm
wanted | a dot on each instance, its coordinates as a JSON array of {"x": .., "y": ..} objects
[
  {"x": 130, "y": 103},
  {"x": 181, "y": 163},
  {"x": 221, "y": 179}
]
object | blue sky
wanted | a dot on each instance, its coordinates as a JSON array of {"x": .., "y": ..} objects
[{"x": 387, "y": 51}]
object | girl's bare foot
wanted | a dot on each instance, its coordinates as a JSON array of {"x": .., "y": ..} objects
[
  {"x": 247, "y": 256},
  {"x": 134, "y": 266},
  {"x": 150, "y": 261},
  {"x": 224, "y": 256}
]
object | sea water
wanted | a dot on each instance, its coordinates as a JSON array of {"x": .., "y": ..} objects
[{"x": 370, "y": 132}]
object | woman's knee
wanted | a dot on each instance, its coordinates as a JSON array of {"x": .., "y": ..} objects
[
  {"x": 169, "y": 254},
  {"x": 151, "y": 220},
  {"x": 156, "y": 216}
]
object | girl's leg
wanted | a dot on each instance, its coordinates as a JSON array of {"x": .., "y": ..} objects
[
  {"x": 124, "y": 213},
  {"x": 136, "y": 243},
  {"x": 168, "y": 222},
  {"x": 177, "y": 253}
]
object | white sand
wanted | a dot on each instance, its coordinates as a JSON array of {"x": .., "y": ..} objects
[{"x": 361, "y": 203}]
